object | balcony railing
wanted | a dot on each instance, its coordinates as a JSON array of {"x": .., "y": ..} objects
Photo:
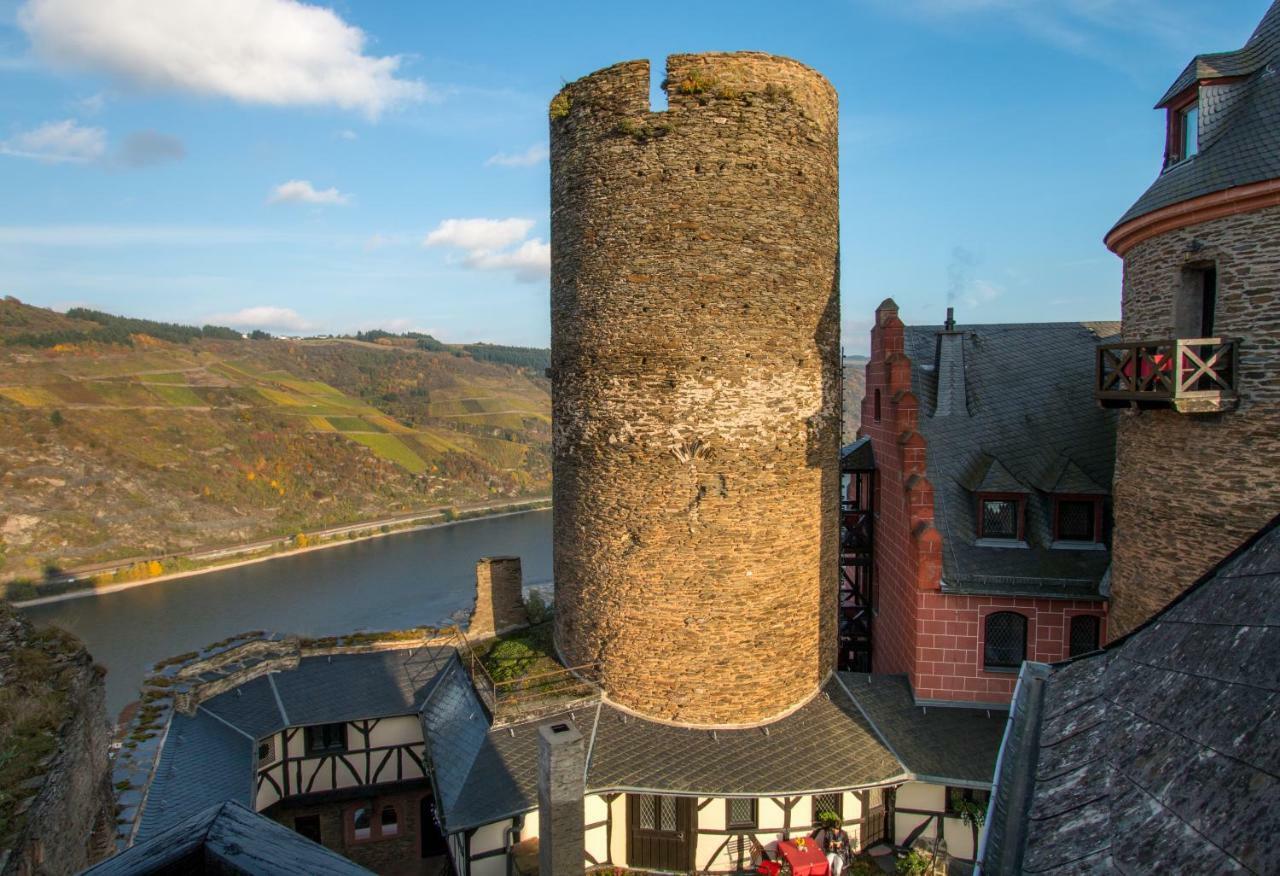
[{"x": 1190, "y": 375}]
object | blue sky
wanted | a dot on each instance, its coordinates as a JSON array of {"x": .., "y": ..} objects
[{"x": 309, "y": 168}]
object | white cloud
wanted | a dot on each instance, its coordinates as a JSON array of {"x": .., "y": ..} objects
[
  {"x": 980, "y": 292},
  {"x": 58, "y": 142},
  {"x": 93, "y": 104},
  {"x": 348, "y": 134},
  {"x": 147, "y": 148},
  {"x": 531, "y": 260},
  {"x": 301, "y": 191},
  {"x": 535, "y": 154},
  {"x": 265, "y": 317},
  {"x": 277, "y": 52},
  {"x": 479, "y": 234},
  {"x": 495, "y": 245}
]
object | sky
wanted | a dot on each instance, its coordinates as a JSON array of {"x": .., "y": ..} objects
[{"x": 308, "y": 168}]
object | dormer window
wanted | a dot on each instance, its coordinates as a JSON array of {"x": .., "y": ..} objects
[
  {"x": 1184, "y": 128},
  {"x": 1077, "y": 519},
  {"x": 1001, "y": 517}
]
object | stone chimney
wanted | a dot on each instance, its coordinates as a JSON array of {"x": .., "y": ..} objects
[
  {"x": 499, "y": 601},
  {"x": 952, "y": 397},
  {"x": 562, "y": 763}
]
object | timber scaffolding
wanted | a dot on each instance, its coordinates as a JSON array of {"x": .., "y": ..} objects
[{"x": 527, "y": 697}]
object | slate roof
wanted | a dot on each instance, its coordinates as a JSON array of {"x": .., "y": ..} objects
[
  {"x": 857, "y": 456},
  {"x": 834, "y": 741},
  {"x": 228, "y": 838},
  {"x": 1239, "y": 122},
  {"x": 1157, "y": 754},
  {"x": 954, "y": 746},
  {"x": 202, "y": 762},
  {"x": 824, "y": 745},
  {"x": 1016, "y": 414},
  {"x": 483, "y": 773},
  {"x": 210, "y": 757}
]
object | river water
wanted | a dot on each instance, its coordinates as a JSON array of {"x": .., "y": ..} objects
[{"x": 397, "y": 581}]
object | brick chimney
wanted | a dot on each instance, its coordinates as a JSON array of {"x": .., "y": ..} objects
[
  {"x": 561, "y": 785},
  {"x": 499, "y": 600}
]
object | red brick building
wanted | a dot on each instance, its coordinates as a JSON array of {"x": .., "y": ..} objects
[{"x": 990, "y": 505}]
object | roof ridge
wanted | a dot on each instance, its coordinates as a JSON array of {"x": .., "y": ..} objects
[
  {"x": 279, "y": 702},
  {"x": 215, "y": 715},
  {"x": 884, "y": 740}
]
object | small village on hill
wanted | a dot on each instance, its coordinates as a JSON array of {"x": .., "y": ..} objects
[{"x": 996, "y": 598}]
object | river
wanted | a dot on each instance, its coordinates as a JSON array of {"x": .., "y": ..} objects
[{"x": 398, "y": 581}]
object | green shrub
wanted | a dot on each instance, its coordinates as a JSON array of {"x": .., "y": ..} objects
[
  {"x": 536, "y": 607},
  {"x": 560, "y": 105},
  {"x": 913, "y": 863},
  {"x": 16, "y": 591},
  {"x": 510, "y": 659}
]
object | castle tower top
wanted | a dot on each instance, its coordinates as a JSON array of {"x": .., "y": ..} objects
[{"x": 695, "y": 362}]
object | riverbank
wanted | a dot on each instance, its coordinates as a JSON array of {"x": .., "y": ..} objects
[{"x": 220, "y": 559}]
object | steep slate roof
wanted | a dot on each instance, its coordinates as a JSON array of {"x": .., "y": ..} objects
[
  {"x": 203, "y": 762},
  {"x": 824, "y": 745},
  {"x": 835, "y": 741},
  {"x": 1239, "y": 122},
  {"x": 482, "y": 773},
  {"x": 857, "y": 456},
  {"x": 1157, "y": 754},
  {"x": 947, "y": 745},
  {"x": 210, "y": 757},
  {"x": 227, "y": 839},
  {"x": 1022, "y": 419}
]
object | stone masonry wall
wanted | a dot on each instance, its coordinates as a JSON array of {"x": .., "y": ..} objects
[
  {"x": 695, "y": 366},
  {"x": 499, "y": 597},
  {"x": 1190, "y": 487},
  {"x": 66, "y": 823}
]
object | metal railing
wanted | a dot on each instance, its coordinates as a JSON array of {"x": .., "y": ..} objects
[
  {"x": 526, "y": 695},
  {"x": 1185, "y": 373}
]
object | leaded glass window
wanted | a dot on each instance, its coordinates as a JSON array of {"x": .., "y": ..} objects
[
  {"x": 666, "y": 814},
  {"x": 1084, "y": 635},
  {"x": 1077, "y": 519},
  {"x": 742, "y": 812},
  {"x": 1006, "y": 640},
  {"x": 823, "y": 803},
  {"x": 1000, "y": 518},
  {"x": 648, "y": 812}
]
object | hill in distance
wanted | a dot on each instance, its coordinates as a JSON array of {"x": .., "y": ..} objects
[{"x": 124, "y": 438}]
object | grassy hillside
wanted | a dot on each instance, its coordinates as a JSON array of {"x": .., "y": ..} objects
[
  {"x": 855, "y": 387},
  {"x": 124, "y": 438}
]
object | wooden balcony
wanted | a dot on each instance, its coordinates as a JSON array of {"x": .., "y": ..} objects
[{"x": 1189, "y": 375}]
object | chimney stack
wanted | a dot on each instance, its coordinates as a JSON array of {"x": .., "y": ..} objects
[
  {"x": 953, "y": 394},
  {"x": 499, "y": 597},
  {"x": 562, "y": 768}
]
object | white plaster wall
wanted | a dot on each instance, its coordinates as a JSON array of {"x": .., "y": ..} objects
[
  {"x": 931, "y": 798},
  {"x": 489, "y": 837},
  {"x": 394, "y": 731},
  {"x": 596, "y": 810}
]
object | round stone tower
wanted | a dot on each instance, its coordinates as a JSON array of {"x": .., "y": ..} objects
[{"x": 695, "y": 365}]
